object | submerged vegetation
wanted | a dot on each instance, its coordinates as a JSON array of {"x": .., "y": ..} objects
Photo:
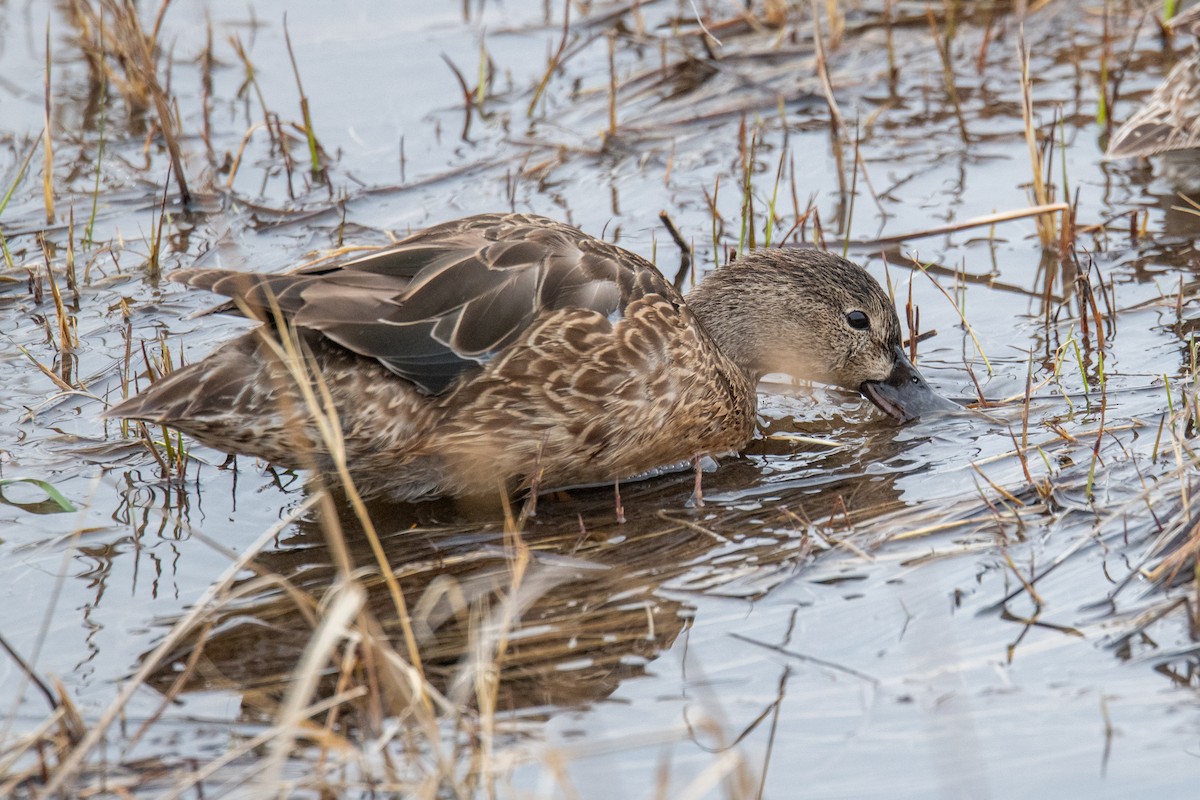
[{"x": 246, "y": 631}]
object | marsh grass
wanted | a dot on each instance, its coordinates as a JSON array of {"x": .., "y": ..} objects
[
  {"x": 122, "y": 53},
  {"x": 943, "y": 42},
  {"x": 90, "y": 229},
  {"x": 316, "y": 162},
  {"x": 747, "y": 148},
  {"x": 1047, "y": 231},
  {"x": 958, "y": 309},
  {"x": 48, "y": 141},
  {"x": 170, "y": 450},
  {"x": 419, "y": 660},
  {"x": 8, "y": 259}
]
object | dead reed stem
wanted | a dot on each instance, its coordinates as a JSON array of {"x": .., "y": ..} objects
[
  {"x": 111, "y": 32},
  {"x": 987, "y": 220},
  {"x": 835, "y": 114},
  {"x": 1047, "y": 231},
  {"x": 314, "y": 149},
  {"x": 48, "y": 142}
]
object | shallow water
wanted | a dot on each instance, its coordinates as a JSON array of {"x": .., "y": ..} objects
[{"x": 855, "y": 616}]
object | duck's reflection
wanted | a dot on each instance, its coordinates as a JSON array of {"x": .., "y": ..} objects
[{"x": 591, "y": 601}]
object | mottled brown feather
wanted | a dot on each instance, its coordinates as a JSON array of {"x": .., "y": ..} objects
[
  {"x": 498, "y": 350},
  {"x": 1170, "y": 119}
]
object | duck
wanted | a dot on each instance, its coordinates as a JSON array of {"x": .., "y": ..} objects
[
  {"x": 1170, "y": 119},
  {"x": 508, "y": 352}
]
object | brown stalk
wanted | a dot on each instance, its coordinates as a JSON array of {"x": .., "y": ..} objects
[
  {"x": 66, "y": 342},
  {"x": 983, "y": 401},
  {"x": 893, "y": 70},
  {"x": 985, "y": 45},
  {"x": 961, "y": 315},
  {"x": 153, "y": 264},
  {"x": 837, "y": 23},
  {"x": 348, "y": 599},
  {"x": 556, "y": 59},
  {"x": 146, "y": 64},
  {"x": 1020, "y": 451},
  {"x": 685, "y": 260},
  {"x": 1095, "y": 308},
  {"x": 1000, "y": 490},
  {"x": 1025, "y": 408},
  {"x": 33, "y": 677},
  {"x": 835, "y": 115},
  {"x": 612, "y": 84},
  {"x": 748, "y": 152},
  {"x": 49, "y": 373},
  {"x": 975, "y": 222},
  {"x": 241, "y": 151},
  {"x": 948, "y": 75},
  {"x": 468, "y": 97},
  {"x": 72, "y": 278},
  {"x": 251, "y": 80},
  {"x": 913, "y": 316},
  {"x": 1041, "y": 194},
  {"x": 206, "y": 85},
  {"x": 775, "y": 707},
  {"x": 48, "y": 168},
  {"x": 314, "y": 148}
]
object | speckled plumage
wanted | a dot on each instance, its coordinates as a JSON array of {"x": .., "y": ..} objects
[
  {"x": 1170, "y": 119},
  {"x": 480, "y": 353}
]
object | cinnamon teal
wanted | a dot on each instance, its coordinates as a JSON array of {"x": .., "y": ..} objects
[
  {"x": 1170, "y": 120},
  {"x": 509, "y": 351}
]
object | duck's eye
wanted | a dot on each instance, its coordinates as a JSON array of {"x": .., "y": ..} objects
[{"x": 858, "y": 320}]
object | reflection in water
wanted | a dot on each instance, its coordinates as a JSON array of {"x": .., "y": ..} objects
[
  {"x": 593, "y": 607},
  {"x": 1090, "y": 528}
]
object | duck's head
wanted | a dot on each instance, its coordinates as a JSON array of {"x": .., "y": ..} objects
[{"x": 816, "y": 316}]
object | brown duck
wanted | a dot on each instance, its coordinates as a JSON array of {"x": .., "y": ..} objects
[
  {"x": 507, "y": 350},
  {"x": 1170, "y": 119}
]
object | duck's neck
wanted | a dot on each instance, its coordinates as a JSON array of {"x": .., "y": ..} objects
[{"x": 731, "y": 328}]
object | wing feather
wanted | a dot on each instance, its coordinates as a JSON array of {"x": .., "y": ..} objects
[
  {"x": 444, "y": 301},
  {"x": 1170, "y": 120}
]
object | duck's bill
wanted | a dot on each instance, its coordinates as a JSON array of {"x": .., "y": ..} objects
[{"x": 905, "y": 395}]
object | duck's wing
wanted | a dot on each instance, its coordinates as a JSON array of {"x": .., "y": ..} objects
[
  {"x": 1186, "y": 22},
  {"x": 1170, "y": 120},
  {"x": 450, "y": 298}
]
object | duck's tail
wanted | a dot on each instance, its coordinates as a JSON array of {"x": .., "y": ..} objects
[{"x": 233, "y": 401}]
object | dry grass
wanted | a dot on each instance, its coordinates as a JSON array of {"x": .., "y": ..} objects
[
  {"x": 413, "y": 660},
  {"x": 123, "y": 54}
]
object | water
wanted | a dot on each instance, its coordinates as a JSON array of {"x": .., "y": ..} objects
[{"x": 857, "y": 612}]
